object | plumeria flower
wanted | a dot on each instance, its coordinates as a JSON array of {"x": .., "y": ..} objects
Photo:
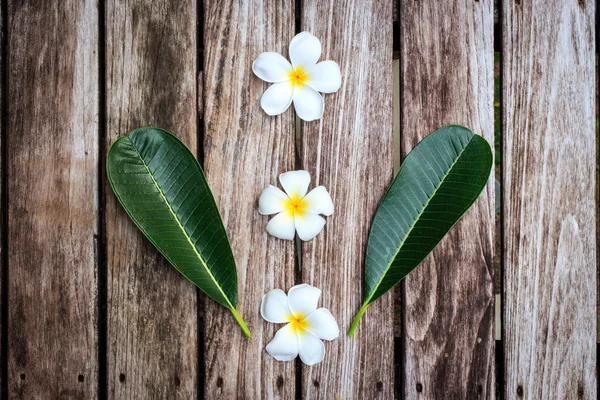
[
  {"x": 301, "y": 81},
  {"x": 296, "y": 211},
  {"x": 306, "y": 325}
]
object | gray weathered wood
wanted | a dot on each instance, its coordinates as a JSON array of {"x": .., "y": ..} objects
[
  {"x": 350, "y": 152},
  {"x": 151, "y": 308},
  {"x": 53, "y": 211},
  {"x": 549, "y": 185},
  {"x": 448, "y": 303},
  {"x": 245, "y": 150}
]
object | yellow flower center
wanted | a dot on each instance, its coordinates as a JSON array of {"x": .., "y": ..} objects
[
  {"x": 295, "y": 205},
  {"x": 298, "y": 323},
  {"x": 298, "y": 76}
]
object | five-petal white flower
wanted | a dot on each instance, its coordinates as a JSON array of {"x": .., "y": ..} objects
[
  {"x": 306, "y": 325},
  {"x": 296, "y": 211},
  {"x": 301, "y": 81}
]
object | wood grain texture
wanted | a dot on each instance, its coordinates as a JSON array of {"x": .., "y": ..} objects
[
  {"x": 245, "y": 150},
  {"x": 448, "y": 302},
  {"x": 53, "y": 211},
  {"x": 350, "y": 152},
  {"x": 549, "y": 208},
  {"x": 151, "y": 309}
]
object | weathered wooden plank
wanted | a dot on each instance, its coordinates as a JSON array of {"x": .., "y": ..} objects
[
  {"x": 350, "y": 152},
  {"x": 448, "y": 303},
  {"x": 53, "y": 211},
  {"x": 245, "y": 151},
  {"x": 151, "y": 309},
  {"x": 549, "y": 184}
]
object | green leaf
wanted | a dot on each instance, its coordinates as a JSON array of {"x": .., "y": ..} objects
[
  {"x": 437, "y": 183},
  {"x": 162, "y": 188}
]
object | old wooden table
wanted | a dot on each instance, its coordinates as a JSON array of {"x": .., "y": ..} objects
[{"x": 91, "y": 310}]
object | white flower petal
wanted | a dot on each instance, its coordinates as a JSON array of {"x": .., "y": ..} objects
[
  {"x": 310, "y": 348},
  {"x": 272, "y": 201},
  {"x": 272, "y": 67},
  {"x": 274, "y": 307},
  {"x": 308, "y": 103},
  {"x": 282, "y": 226},
  {"x": 284, "y": 346},
  {"x": 277, "y": 98},
  {"x": 322, "y": 324},
  {"x": 303, "y": 299},
  {"x": 318, "y": 201},
  {"x": 305, "y": 50},
  {"x": 295, "y": 183},
  {"x": 308, "y": 225},
  {"x": 325, "y": 77}
]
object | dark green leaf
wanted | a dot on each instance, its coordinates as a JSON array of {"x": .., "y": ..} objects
[
  {"x": 437, "y": 183},
  {"x": 162, "y": 188}
]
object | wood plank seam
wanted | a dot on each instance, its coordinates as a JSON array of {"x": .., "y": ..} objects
[
  {"x": 4, "y": 210},
  {"x": 101, "y": 243},
  {"x": 201, "y": 298}
]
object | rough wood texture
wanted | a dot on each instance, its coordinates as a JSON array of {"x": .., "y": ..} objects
[
  {"x": 53, "y": 210},
  {"x": 245, "y": 151},
  {"x": 350, "y": 152},
  {"x": 448, "y": 302},
  {"x": 151, "y": 308},
  {"x": 549, "y": 183}
]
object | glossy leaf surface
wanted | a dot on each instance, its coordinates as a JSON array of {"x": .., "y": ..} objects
[
  {"x": 437, "y": 183},
  {"x": 163, "y": 189}
]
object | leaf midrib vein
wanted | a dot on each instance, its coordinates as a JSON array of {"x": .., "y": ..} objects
[
  {"x": 367, "y": 301},
  {"x": 181, "y": 227}
]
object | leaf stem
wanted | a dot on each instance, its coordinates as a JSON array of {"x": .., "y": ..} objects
[
  {"x": 357, "y": 319},
  {"x": 241, "y": 322}
]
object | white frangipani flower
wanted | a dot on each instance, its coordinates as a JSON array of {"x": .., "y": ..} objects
[
  {"x": 306, "y": 325},
  {"x": 301, "y": 81},
  {"x": 296, "y": 211}
]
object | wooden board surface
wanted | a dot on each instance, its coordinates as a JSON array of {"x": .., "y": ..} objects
[
  {"x": 350, "y": 152},
  {"x": 152, "y": 321},
  {"x": 245, "y": 150},
  {"x": 53, "y": 210},
  {"x": 69, "y": 237},
  {"x": 448, "y": 303},
  {"x": 549, "y": 185}
]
